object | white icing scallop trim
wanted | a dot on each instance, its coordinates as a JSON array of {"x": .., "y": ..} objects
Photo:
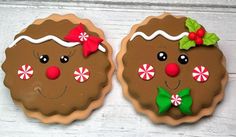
[
  {"x": 50, "y": 37},
  {"x": 159, "y": 32}
]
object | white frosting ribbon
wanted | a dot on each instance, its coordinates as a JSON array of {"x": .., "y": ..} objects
[
  {"x": 50, "y": 37},
  {"x": 159, "y": 32}
]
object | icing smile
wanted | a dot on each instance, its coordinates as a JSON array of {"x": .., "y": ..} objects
[
  {"x": 172, "y": 88},
  {"x": 39, "y": 90}
]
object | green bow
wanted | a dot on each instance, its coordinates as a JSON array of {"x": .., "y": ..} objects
[{"x": 163, "y": 101}]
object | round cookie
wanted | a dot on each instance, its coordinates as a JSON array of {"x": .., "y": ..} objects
[
  {"x": 171, "y": 69},
  {"x": 59, "y": 68}
]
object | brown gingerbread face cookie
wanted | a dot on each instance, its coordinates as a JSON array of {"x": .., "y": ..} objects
[
  {"x": 171, "y": 69},
  {"x": 59, "y": 67}
]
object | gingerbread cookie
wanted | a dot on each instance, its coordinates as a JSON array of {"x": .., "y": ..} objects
[
  {"x": 171, "y": 69},
  {"x": 59, "y": 68}
]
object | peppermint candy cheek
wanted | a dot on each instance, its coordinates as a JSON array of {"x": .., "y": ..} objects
[
  {"x": 146, "y": 72},
  {"x": 25, "y": 72},
  {"x": 81, "y": 74},
  {"x": 200, "y": 74}
]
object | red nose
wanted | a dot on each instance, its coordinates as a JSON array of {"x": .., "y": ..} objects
[
  {"x": 172, "y": 69},
  {"x": 53, "y": 72}
]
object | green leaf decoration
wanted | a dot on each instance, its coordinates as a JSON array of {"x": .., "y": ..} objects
[
  {"x": 186, "y": 43},
  {"x": 192, "y": 25},
  {"x": 210, "y": 39}
]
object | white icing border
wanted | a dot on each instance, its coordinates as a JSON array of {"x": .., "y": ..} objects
[
  {"x": 50, "y": 37},
  {"x": 159, "y": 32}
]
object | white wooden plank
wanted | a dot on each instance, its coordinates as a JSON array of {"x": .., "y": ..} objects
[
  {"x": 192, "y": 5},
  {"x": 222, "y": 3},
  {"x": 117, "y": 117}
]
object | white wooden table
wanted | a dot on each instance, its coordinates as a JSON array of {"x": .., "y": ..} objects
[{"x": 117, "y": 117}]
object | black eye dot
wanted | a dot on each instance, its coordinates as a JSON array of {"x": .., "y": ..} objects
[
  {"x": 183, "y": 59},
  {"x": 162, "y": 56},
  {"x": 44, "y": 59},
  {"x": 64, "y": 59}
]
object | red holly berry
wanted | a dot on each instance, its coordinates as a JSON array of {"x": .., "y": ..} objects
[
  {"x": 200, "y": 32},
  {"x": 199, "y": 41},
  {"x": 192, "y": 35}
]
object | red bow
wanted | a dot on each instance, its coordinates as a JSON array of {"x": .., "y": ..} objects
[{"x": 90, "y": 43}]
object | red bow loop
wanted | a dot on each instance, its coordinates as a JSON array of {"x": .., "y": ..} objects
[{"x": 90, "y": 43}]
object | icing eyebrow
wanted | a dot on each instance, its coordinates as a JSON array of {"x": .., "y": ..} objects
[
  {"x": 184, "y": 53},
  {"x": 71, "y": 53},
  {"x": 35, "y": 54},
  {"x": 161, "y": 47},
  {"x": 157, "y": 33}
]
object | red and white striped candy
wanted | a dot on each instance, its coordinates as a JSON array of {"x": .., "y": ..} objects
[
  {"x": 176, "y": 100},
  {"x": 146, "y": 72},
  {"x": 81, "y": 74},
  {"x": 25, "y": 72},
  {"x": 200, "y": 74}
]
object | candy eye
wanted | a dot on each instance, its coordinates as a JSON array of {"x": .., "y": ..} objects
[
  {"x": 162, "y": 56},
  {"x": 44, "y": 59},
  {"x": 64, "y": 59},
  {"x": 183, "y": 59}
]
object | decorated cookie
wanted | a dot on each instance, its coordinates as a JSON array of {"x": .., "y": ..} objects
[
  {"x": 59, "y": 68},
  {"x": 171, "y": 69}
]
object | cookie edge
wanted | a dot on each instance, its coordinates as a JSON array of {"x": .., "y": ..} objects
[
  {"x": 78, "y": 114},
  {"x": 151, "y": 115}
]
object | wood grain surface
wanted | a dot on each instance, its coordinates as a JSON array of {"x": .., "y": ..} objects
[{"x": 117, "y": 118}]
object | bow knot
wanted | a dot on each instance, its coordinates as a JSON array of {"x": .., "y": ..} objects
[
  {"x": 90, "y": 43},
  {"x": 182, "y": 100},
  {"x": 83, "y": 36}
]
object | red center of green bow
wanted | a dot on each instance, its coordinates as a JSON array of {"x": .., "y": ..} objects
[{"x": 182, "y": 100}]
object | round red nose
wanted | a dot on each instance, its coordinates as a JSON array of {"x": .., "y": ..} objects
[
  {"x": 172, "y": 69},
  {"x": 53, "y": 72}
]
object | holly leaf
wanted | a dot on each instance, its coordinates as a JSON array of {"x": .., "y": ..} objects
[
  {"x": 192, "y": 25},
  {"x": 186, "y": 43},
  {"x": 210, "y": 39}
]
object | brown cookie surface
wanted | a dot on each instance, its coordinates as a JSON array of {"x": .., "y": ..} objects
[
  {"x": 64, "y": 94},
  {"x": 161, "y": 52}
]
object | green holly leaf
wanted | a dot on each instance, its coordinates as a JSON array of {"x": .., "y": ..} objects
[
  {"x": 186, "y": 43},
  {"x": 210, "y": 39},
  {"x": 192, "y": 25}
]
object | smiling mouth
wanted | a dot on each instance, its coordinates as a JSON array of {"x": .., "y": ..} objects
[
  {"x": 39, "y": 90},
  {"x": 174, "y": 87}
]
